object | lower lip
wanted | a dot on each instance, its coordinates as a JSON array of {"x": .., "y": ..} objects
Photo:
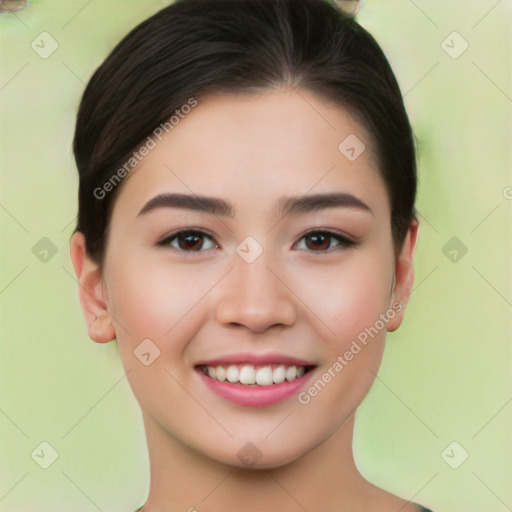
[{"x": 255, "y": 395}]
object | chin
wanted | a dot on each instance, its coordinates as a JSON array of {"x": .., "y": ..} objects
[{"x": 260, "y": 455}]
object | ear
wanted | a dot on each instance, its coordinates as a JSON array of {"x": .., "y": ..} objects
[
  {"x": 403, "y": 277},
  {"x": 93, "y": 298}
]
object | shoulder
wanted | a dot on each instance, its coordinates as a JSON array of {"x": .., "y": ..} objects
[
  {"x": 422, "y": 509},
  {"x": 380, "y": 499}
]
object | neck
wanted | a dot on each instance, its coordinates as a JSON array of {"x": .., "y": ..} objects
[{"x": 325, "y": 478}]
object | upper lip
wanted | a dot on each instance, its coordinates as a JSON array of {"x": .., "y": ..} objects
[{"x": 255, "y": 359}]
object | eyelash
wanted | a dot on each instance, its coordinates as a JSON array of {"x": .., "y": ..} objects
[{"x": 344, "y": 242}]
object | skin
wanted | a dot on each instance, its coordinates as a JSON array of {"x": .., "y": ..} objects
[{"x": 251, "y": 151}]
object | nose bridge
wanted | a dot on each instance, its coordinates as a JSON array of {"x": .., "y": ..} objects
[{"x": 253, "y": 294}]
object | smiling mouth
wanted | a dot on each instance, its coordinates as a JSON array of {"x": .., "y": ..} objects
[{"x": 255, "y": 375}]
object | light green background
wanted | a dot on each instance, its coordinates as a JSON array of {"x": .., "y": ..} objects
[{"x": 446, "y": 373}]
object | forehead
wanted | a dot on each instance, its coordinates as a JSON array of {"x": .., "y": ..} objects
[{"x": 263, "y": 146}]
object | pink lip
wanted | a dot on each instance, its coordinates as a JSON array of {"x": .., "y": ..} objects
[
  {"x": 256, "y": 359},
  {"x": 254, "y": 395}
]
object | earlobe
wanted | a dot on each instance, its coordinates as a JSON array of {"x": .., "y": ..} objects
[
  {"x": 403, "y": 277},
  {"x": 92, "y": 295}
]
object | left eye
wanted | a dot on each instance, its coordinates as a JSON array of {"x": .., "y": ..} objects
[
  {"x": 320, "y": 240},
  {"x": 191, "y": 241}
]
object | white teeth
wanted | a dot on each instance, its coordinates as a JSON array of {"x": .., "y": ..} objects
[
  {"x": 264, "y": 376},
  {"x": 291, "y": 373},
  {"x": 221, "y": 373},
  {"x": 232, "y": 373},
  {"x": 279, "y": 374},
  {"x": 247, "y": 374}
]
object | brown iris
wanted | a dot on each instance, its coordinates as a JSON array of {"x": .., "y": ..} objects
[{"x": 320, "y": 241}]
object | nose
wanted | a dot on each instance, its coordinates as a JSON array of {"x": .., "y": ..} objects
[{"x": 256, "y": 296}]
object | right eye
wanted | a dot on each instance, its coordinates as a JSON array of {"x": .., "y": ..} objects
[{"x": 187, "y": 241}]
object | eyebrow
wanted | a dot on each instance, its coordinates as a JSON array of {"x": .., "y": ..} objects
[{"x": 285, "y": 205}]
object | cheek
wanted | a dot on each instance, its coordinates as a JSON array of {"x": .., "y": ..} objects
[
  {"x": 130, "y": 300},
  {"x": 154, "y": 299},
  {"x": 140, "y": 299},
  {"x": 349, "y": 300},
  {"x": 347, "y": 297}
]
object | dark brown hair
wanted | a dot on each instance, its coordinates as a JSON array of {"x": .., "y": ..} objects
[{"x": 193, "y": 48}]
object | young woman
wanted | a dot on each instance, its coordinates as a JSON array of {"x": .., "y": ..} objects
[{"x": 246, "y": 233}]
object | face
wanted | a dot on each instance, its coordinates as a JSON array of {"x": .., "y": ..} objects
[{"x": 269, "y": 282}]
